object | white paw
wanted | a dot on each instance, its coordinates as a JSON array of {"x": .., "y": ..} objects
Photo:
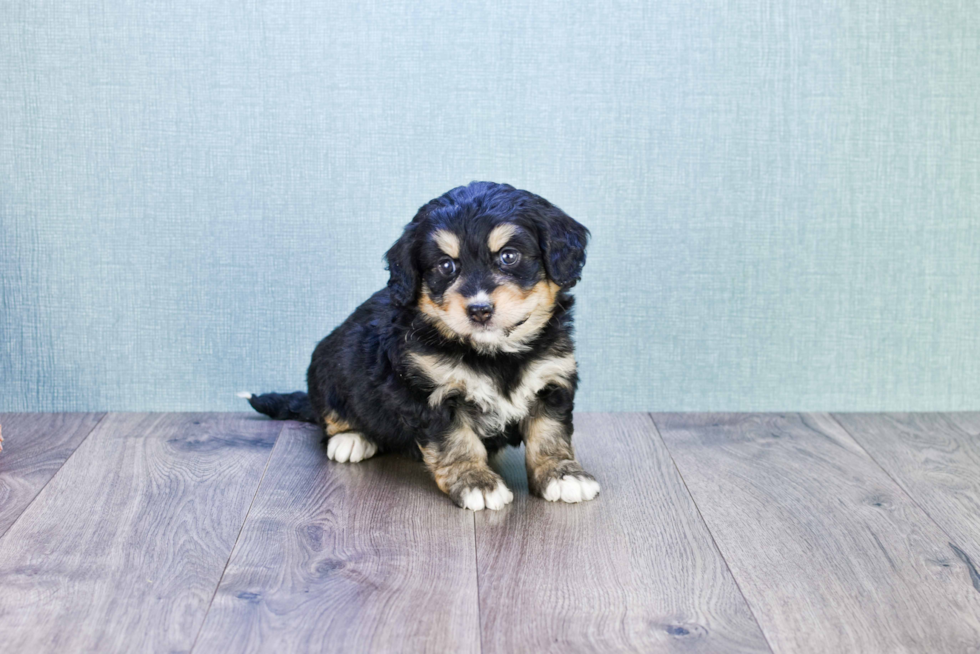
[
  {"x": 476, "y": 500},
  {"x": 571, "y": 489},
  {"x": 350, "y": 446}
]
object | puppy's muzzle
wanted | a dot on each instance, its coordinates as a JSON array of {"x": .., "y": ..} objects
[{"x": 480, "y": 312}]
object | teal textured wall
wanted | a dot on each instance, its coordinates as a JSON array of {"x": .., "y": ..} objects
[{"x": 784, "y": 196}]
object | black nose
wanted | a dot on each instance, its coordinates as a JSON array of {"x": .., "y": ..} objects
[{"x": 480, "y": 312}]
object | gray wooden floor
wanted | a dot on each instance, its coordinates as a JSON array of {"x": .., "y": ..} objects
[{"x": 714, "y": 532}]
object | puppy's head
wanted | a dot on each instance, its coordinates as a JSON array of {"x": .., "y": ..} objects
[{"x": 484, "y": 263}]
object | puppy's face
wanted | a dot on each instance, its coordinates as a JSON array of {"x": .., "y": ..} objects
[
  {"x": 487, "y": 263},
  {"x": 485, "y": 286}
]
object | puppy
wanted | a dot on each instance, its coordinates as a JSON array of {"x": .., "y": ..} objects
[{"x": 467, "y": 350}]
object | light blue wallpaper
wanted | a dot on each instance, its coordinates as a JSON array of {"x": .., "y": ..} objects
[{"x": 784, "y": 196}]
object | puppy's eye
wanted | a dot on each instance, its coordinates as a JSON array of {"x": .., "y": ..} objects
[
  {"x": 447, "y": 267},
  {"x": 509, "y": 257}
]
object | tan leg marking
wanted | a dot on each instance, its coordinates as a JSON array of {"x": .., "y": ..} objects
[
  {"x": 552, "y": 471},
  {"x": 334, "y": 424},
  {"x": 459, "y": 466}
]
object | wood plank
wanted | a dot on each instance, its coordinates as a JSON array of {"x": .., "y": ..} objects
[
  {"x": 36, "y": 446},
  {"x": 936, "y": 458},
  {"x": 347, "y": 557},
  {"x": 122, "y": 550},
  {"x": 633, "y": 570},
  {"x": 831, "y": 554}
]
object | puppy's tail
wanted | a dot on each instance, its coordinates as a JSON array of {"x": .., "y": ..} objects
[{"x": 282, "y": 406}]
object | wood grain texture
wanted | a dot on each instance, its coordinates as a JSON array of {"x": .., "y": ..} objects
[
  {"x": 831, "y": 554},
  {"x": 936, "y": 459},
  {"x": 35, "y": 447},
  {"x": 347, "y": 557},
  {"x": 122, "y": 550},
  {"x": 633, "y": 570}
]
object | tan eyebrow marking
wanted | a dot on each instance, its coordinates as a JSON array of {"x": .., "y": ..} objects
[
  {"x": 499, "y": 236},
  {"x": 447, "y": 242}
]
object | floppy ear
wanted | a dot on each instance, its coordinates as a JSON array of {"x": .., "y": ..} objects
[
  {"x": 563, "y": 242},
  {"x": 403, "y": 280}
]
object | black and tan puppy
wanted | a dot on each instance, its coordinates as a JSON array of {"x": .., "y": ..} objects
[{"x": 467, "y": 350}]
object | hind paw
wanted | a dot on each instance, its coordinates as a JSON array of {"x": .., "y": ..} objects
[{"x": 350, "y": 447}]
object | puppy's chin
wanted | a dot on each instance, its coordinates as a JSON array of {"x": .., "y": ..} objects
[
  {"x": 486, "y": 339},
  {"x": 490, "y": 339}
]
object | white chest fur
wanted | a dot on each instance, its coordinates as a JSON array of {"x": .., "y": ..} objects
[{"x": 498, "y": 408}]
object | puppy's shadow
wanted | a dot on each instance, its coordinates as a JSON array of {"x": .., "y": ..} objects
[{"x": 509, "y": 463}]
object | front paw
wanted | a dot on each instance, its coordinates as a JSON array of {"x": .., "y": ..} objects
[
  {"x": 567, "y": 482},
  {"x": 571, "y": 489},
  {"x": 481, "y": 490}
]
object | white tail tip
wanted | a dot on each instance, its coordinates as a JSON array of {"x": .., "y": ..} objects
[{"x": 245, "y": 394}]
